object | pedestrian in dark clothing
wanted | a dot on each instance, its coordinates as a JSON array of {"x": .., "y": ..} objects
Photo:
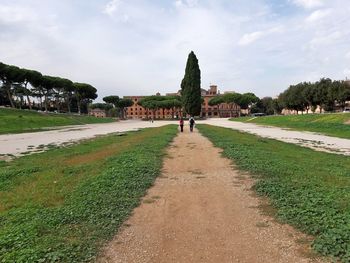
[
  {"x": 192, "y": 122},
  {"x": 181, "y": 123}
]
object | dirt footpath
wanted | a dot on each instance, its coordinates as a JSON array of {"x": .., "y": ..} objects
[{"x": 202, "y": 210}]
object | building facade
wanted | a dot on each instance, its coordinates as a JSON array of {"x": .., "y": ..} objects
[
  {"x": 138, "y": 112},
  {"x": 99, "y": 113},
  {"x": 223, "y": 110}
]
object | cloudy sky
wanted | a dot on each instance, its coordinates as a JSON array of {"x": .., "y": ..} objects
[{"x": 140, "y": 47}]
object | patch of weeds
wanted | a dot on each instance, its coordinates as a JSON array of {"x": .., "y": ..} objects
[
  {"x": 304, "y": 241},
  {"x": 262, "y": 224},
  {"x": 26, "y": 152},
  {"x": 148, "y": 201},
  {"x": 267, "y": 209},
  {"x": 240, "y": 177},
  {"x": 51, "y": 146}
]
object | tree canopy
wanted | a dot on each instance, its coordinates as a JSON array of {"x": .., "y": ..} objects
[
  {"x": 52, "y": 92},
  {"x": 191, "y": 86},
  {"x": 154, "y": 103},
  {"x": 113, "y": 99},
  {"x": 306, "y": 96}
]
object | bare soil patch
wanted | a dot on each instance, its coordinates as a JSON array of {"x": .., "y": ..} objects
[{"x": 206, "y": 219}]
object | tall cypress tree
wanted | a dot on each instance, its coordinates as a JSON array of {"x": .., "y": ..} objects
[{"x": 191, "y": 86}]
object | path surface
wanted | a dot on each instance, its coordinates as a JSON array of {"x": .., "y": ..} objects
[
  {"x": 15, "y": 144},
  {"x": 312, "y": 140},
  {"x": 202, "y": 210}
]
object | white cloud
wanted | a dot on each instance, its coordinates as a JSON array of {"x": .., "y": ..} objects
[
  {"x": 308, "y": 3},
  {"x": 346, "y": 72},
  {"x": 318, "y": 15},
  {"x": 111, "y": 7},
  {"x": 186, "y": 3},
  {"x": 179, "y": 3},
  {"x": 326, "y": 40},
  {"x": 347, "y": 55},
  {"x": 15, "y": 14},
  {"x": 247, "y": 39}
]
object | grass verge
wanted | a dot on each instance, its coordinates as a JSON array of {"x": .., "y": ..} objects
[
  {"x": 333, "y": 124},
  {"x": 310, "y": 190},
  {"x": 64, "y": 204},
  {"x": 17, "y": 121}
]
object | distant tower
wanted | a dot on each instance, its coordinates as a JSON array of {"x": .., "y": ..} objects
[
  {"x": 213, "y": 90},
  {"x": 347, "y": 81}
]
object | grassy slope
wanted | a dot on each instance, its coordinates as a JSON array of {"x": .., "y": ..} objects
[
  {"x": 329, "y": 124},
  {"x": 16, "y": 121},
  {"x": 311, "y": 190},
  {"x": 62, "y": 205}
]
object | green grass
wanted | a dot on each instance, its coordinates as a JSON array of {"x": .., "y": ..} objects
[
  {"x": 329, "y": 124},
  {"x": 17, "y": 121},
  {"x": 64, "y": 204},
  {"x": 310, "y": 190}
]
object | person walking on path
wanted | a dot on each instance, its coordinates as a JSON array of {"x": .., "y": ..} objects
[
  {"x": 192, "y": 122},
  {"x": 181, "y": 123}
]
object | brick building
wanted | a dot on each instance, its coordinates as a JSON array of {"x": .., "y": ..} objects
[
  {"x": 222, "y": 110},
  {"x": 138, "y": 112},
  {"x": 99, "y": 113}
]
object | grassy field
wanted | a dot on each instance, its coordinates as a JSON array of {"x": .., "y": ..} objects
[
  {"x": 329, "y": 124},
  {"x": 17, "y": 121},
  {"x": 64, "y": 204},
  {"x": 310, "y": 190}
]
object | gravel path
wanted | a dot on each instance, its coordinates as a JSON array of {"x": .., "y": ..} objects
[
  {"x": 202, "y": 210},
  {"x": 312, "y": 140},
  {"x": 17, "y": 144}
]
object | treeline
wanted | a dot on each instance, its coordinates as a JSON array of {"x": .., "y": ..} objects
[
  {"x": 326, "y": 94},
  {"x": 113, "y": 106},
  {"x": 29, "y": 89},
  {"x": 245, "y": 100}
]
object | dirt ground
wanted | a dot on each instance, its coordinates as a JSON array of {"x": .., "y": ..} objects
[{"x": 202, "y": 210}]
